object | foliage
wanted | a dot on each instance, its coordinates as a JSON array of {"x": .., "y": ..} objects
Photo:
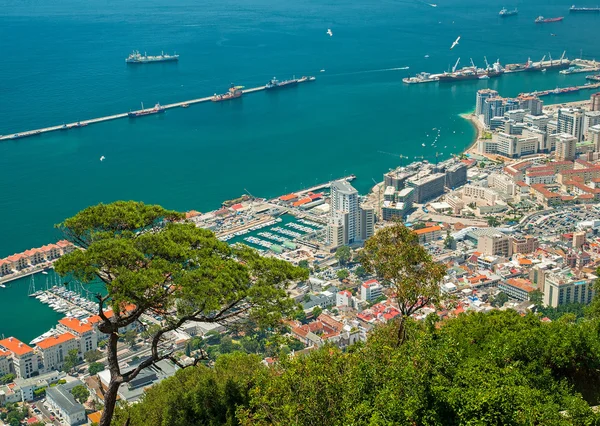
[
  {"x": 537, "y": 298},
  {"x": 500, "y": 299},
  {"x": 95, "y": 367},
  {"x": 343, "y": 254},
  {"x": 317, "y": 310},
  {"x": 396, "y": 257},
  {"x": 492, "y": 221},
  {"x": 576, "y": 309},
  {"x": 535, "y": 373},
  {"x": 13, "y": 414},
  {"x": 360, "y": 271},
  {"x": 148, "y": 262},
  {"x": 419, "y": 225},
  {"x": 92, "y": 356},
  {"x": 303, "y": 264},
  {"x": 197, "y": 396},
  {"x": 40, "y": 392},
  {"x": 130, "y": 337},
  {"x": 80, "y": 393},
  {"x": 7, "y": 378},
  {"x": 449, "y": 241},
  {"x": 342, "y": 274},
  {"x": 71, "y": 360}
]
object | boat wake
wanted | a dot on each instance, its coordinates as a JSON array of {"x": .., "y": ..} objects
[{"x": 371, "y": 71}]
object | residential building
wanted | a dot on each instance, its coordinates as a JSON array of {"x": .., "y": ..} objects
[
  {"x": 514, "y": 146},
  {"x": 517, "y": 288},
  {"x": 594, "y": 137},
  {"x": 526, "y": 244},
  {"x": 427, "y": 187},
  {"x": 429, "y": 234},
  {"x": 55, "y": 349},
  {"x": 344, "y": 210},
  {"x": 542, "y": 137},
  {"x": 590, "y": 119},
  {"x": 456, "y": 175},
  {"x": 482, "y": 95},
  {"x": 566, "y": 146},
  {"x": 578, "y": 239},
  {"x": 595, "y": 99},
  {"x": 62, "y": 400},
  {"x": 532, "y": 103},
  {"x": 370, "y": 290},
  {"x": 397, "y": 178},
  {"x": 501, "y": 183},
  {"x": 495, "y": 245},
  {"x": 479, "y": 195},
  {"x": 83, "y": 330},
  {"x": 26, "y": 387},
  {"x": 5, "y": 363},
  {"x": 24, "y": 359},
  {"x": 537, "y": 121},
  {"x": 565, "y": 287},
  {"x": 570, "y": 120},
  {"x": 343, "y": 298},
  {"x": 366, "y": 223}
]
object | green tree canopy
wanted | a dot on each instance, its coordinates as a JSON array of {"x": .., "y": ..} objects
[
  {"x": 145, "y": 259},
  {"x": 343, "y": 254},
  {"x": 492, "y": 221},
  {"x": 396, "y": 257},
  {"x": 342, "y": 274},
  {"x": 80, "y": 393},
  {"x": 71, "y": 360},
  {"x": 95, "y": 367},
  {"x": 91, "y": 356}
]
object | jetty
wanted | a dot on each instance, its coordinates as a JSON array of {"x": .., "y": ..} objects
[
  {"x": 562, "y": 91},
  {"x": 83, "y": 123}
]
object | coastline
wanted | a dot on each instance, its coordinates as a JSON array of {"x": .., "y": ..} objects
[{"x": 479, "y": 129}]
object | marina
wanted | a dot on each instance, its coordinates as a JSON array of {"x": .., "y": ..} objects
[{"x": 158, "y": 108}]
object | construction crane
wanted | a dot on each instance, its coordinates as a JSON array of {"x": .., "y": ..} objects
[{"x": 455, "y": 65}]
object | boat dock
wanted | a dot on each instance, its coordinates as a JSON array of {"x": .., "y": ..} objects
[
  {"x": 84, "y": 123},
  {"x": 562, "y": 91}
]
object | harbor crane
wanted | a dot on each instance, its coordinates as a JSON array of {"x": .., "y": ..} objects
[
  {"x": 487, "y": 65},
  {"x": 473, "y": 64},
  {"x": 455, "y": 65}
]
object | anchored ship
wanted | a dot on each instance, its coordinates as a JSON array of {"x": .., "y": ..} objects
[
  {"x": 505, "y": 12},
  {"x": 158, "y": 108},
  {"x": 585, "y": 9},
  {"x": 471, "y": 73},
  {"x": 423, "y": 77},
  {"x": 542, "y": 20},
  {"x": 137, "y": 58},
  {"x": 234, "y": 92},
  {"x": 276, "y": 84}
]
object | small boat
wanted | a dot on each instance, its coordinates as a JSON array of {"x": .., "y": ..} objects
[
  {"x": 544, "y": 70},
  {"x": 2, "y": 286},
  {"x": 185, "y": 105},
  {"x": 484, "y": 77}
]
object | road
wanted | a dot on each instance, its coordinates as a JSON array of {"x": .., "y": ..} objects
[{"x": 47, "y": 415}]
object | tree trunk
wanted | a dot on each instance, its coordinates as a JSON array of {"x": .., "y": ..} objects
[
  {"x": 110, "y": 396},
  {"x": 401, "y": 337},
  {"x": 110, "y": 401}
]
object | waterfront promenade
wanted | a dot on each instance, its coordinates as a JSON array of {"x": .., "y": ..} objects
[{"x": 82, "y": 123}]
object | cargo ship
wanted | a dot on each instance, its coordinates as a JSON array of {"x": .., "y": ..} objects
[
  {"x": 233, "y": 93},
  {"x": 585, "y": 9},
  {"x": 137, "y": 58},
  {"x": 542, "y": 20},
  {"x": 157, "y": 109},
  {"x": 276, "y": 84},
  {"x": 505, "y": 12},
  {"x": 471, "y": 73},
  {"x": 423, "y": 77},
  {"x": 593, "y": 77}
]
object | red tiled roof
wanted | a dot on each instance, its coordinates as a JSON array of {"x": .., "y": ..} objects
[
  {"x": 521, "y": 183},
  {"x": 288, "y": 197},
  {"x": 76, "y": 325},
  {"x": 192, "y": 213},
  {"x": 302, "y": 201},
  {"x": 427, "y": 230},
  {"x": 15, "y": 257},
  {"x": 15, "y": 346},
  {"x": 237, "y": 206},
  {"x": 55, "y": 340},
  {"x": 64, "y": 243},
  {"x": 521, "y": 283},
  {"x": 4, "y": 353}
]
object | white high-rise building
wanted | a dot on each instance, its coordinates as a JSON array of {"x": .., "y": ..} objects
[
  {"x": 570, "y": 120},
  {"x": 566, "y": 147},
  {"x": 344, "y": 210},
  {"x": 348, "y": 223}
]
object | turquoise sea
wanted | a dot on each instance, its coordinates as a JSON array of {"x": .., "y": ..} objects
[{"x": 64, "y": 61}]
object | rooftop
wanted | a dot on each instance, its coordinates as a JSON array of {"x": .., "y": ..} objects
[
  {"x": 76, "y": 325},
  {"x": 55, "y": 340},
  {"x": 62, "y": 396},
  {"x": 344, "y": 187},
  {"x": 15, "y": 346}
]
